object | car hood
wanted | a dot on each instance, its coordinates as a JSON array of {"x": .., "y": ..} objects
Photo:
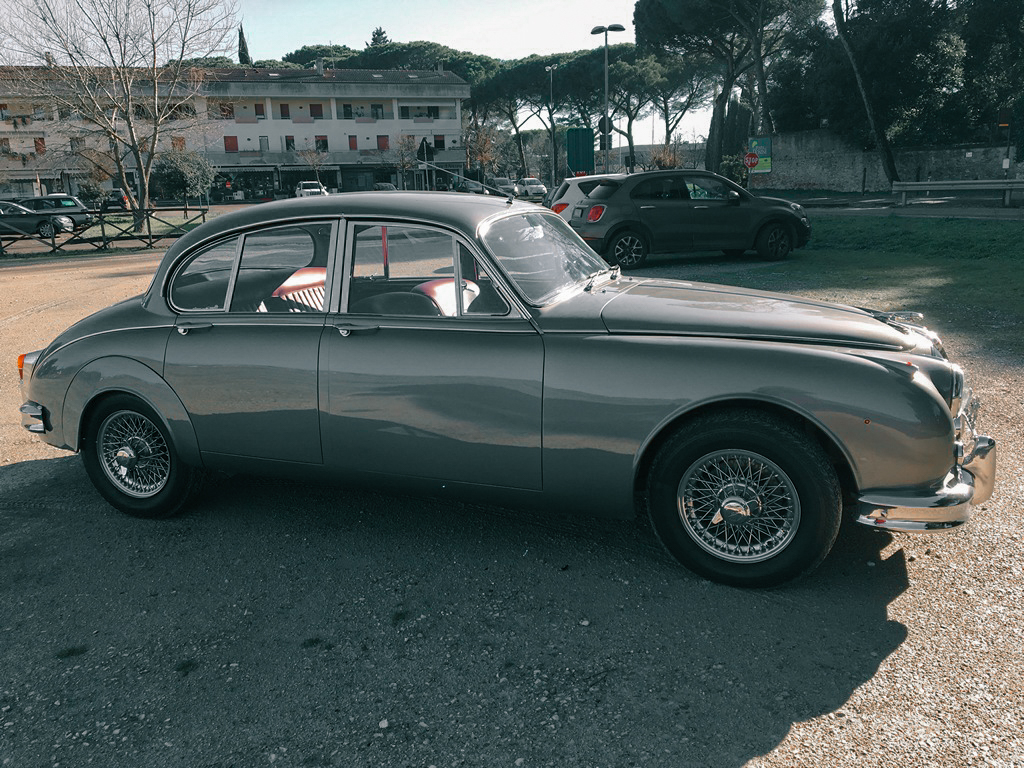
[{"x": 700, "y": 309}]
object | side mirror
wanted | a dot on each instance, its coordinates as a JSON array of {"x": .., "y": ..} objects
[{"x": 733, "y": 197}]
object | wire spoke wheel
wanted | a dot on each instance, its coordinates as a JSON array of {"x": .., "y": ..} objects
[
  {"x": 133, "y": 454},
  {"x": 738, "y": 506}
]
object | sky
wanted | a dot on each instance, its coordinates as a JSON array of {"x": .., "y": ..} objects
[{"x": 510, "y": 29}]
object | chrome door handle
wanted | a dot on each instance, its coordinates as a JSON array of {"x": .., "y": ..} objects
[
  {"x": 347, "y": 328},
  {"x": 187, "y": 327},
  {"x": 646, "y": 207}
]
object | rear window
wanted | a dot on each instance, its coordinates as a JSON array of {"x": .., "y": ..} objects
[{"x": 603, "y": 190}]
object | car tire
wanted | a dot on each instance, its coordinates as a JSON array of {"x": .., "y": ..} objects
[
  {"x": 627, "y": 249},
  {"x": 46, "y": 229},
  {"x": 129, "y": 455},
  {"x": 774, "y": 242},
  {"x": 744, "y": 498}
]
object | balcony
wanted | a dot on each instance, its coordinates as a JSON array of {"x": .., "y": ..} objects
[{"x": 370, "y": 157}]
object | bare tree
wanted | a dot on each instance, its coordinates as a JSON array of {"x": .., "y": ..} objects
[
  {"x": 316, "y": 159},
  {"x": 401, "y": 157},
  {"x": 113, "y": 72}
]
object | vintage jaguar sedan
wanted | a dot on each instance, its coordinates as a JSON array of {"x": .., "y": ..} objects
[{"x": 476, "y": 348}]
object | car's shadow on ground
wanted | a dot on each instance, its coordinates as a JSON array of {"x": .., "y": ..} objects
[{"x": 341, "y": 627}]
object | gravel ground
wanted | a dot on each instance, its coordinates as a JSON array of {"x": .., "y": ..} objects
[{"x": 285, "y": 625}]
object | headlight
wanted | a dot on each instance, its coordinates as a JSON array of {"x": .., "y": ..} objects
[{"x": 65, "y": 221}]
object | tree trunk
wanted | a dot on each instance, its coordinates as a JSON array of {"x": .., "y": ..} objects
[
  {"x": 716, "y": 133},
  {"x": 884, "y": 149}
]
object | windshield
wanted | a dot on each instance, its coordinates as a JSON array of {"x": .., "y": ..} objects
[{"x": 541, "y": 255}]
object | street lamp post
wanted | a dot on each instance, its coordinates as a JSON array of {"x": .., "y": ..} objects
[
  {"x": 605, "y": 126},
  {"x": 551, "y": 99}
]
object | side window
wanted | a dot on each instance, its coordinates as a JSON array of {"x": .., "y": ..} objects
[
  {"x": 707, "y": 189},
  {"x": 661, "y": 188},
  {"x": 283, "y": 270},
  {"x": 202, "y": 284},
  {"x": 410, "y": 271}
]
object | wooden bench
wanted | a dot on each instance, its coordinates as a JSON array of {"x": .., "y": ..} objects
[{"x": 1006, "y": 186}]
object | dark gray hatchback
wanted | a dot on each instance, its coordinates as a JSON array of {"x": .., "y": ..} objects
[{"x": 625, "y": 219}]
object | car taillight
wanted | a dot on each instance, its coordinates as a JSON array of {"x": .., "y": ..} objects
[
  {"x": 559, "y": 207},
  {"x": 595, "y": 213}
]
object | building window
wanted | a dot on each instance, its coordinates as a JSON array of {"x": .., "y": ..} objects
[
  {"x": 260, "y": 112},
  {"x": 38, "y": 113},
  {"x": 383, "y": 143},
  {"x": 227, "y": 111},
  {"x": 230, "y": 143},
  {"x": 434, "y": 112},
  {"x": 346, "y": 111},
  {"x": 289, "y": 143},
  {"x": 178, "y": 143},
  {"x": 5, "y": 146},
  {"x": 321, "y": 144},
  {"x": 353, "y": 142},
  {"x": 377, "y": 111},
  {"x": 286, "y": 112},
  {"x": 439, "y": 142},
  {"x": 316, "y": 111},
  {"x": 4, "y": 114},
  {"x": 40, "y": 146},
  {"x": 403, "y": 113}
]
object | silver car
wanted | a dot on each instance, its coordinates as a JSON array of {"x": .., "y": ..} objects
[{"x": 476, "y": 348}]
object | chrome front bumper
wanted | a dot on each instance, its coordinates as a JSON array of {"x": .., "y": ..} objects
[{"x": 967, "y": 485}]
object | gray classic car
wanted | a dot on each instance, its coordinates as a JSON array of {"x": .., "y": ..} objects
[{"x": 476, "y": 348}]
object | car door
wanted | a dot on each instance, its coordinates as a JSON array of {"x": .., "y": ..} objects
[
  {"x": 721, "y": 221},
  {"x": 244, "y": 358},
  {"x": 664, "y": 208},
  {"x": 426, "y": 380}
]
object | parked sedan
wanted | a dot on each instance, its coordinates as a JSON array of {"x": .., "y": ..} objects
[
  {"x": 476, "y": 348},
  {"x": 59, "y": 204},
  {"x": 19, "y": 220},
  {"x": 676, "y": 211}
]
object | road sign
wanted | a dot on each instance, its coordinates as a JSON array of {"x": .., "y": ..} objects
[{"x": 750, "y": 159}]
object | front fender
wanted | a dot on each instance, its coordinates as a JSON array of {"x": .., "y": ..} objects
[{"x": 108, "y": 375}]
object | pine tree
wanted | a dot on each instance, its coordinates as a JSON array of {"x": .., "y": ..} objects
[{"x": 379, "y": 37}]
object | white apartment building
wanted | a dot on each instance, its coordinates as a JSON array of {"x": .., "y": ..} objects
[{"x": 270, "y": 129}]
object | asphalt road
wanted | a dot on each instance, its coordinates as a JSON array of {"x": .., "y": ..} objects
[{"x": 280, "y": 624}]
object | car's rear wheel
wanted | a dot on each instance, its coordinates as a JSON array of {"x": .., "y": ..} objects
[
  {"x": 744, "y": 498},
  {"x": 774, "y": 242},
  {"x": 46, "y": 229},
  {"x": 628, "y": 249},
  {"x": 130, "y": 457}
]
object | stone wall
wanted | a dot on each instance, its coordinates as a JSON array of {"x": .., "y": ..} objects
[{"x": 821, "y": 160}]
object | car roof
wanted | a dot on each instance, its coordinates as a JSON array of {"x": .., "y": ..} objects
[{"x": 459, "y": 211}]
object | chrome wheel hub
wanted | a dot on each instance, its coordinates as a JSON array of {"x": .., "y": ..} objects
[
  {"x": 133, "y": 454},
  {"x": 738, "y": 506}
]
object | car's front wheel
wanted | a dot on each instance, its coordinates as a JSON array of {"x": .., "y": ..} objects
[
  {"x": 130, "y": 458},
  {"x": 744, "y": 498},
  {"x": 628, "y": 249},
  {"x": 46, "y": 229},
  {"x": 774, "y": 242}
]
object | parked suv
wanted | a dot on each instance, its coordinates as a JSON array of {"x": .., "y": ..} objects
[
  {"x": 310, "y": 189},
  {"x": 63, "y": 205},
  {"x": 674, "y": 211},
  {"x": 114, "y": 200}
]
